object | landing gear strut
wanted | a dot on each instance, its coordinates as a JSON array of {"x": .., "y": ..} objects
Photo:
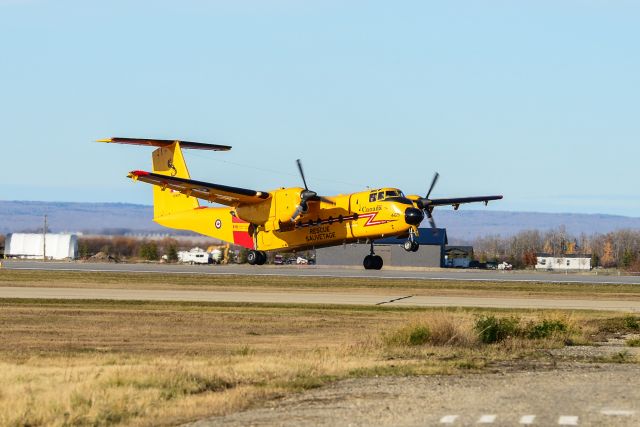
[
  {"x": 372, "y": 261},
  {"x": 411, "y": 245},
  {"x": 256, "y": 257}
]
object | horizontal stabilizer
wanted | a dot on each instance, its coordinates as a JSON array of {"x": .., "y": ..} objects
[{"x": 166, "y": 143}]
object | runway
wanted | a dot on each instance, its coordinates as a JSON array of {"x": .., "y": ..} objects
[
  {"x": 319, "y": 298},
  {"x": 322, "y": 271}
]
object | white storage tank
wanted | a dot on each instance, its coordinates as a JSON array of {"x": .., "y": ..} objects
[{"x": 31, "y": 246}]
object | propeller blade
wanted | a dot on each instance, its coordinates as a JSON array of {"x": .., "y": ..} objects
[
  {"x": 307, "y": 196},
  {"x": 297, "y": 212},
  {"x": 325, "y": 200},
  {"x": 299, "y": 163},
  {"x": 432, "y": 222},
  {"x": 433, "y": 184}
]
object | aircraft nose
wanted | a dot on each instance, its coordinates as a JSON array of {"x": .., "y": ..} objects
[{"x": 413, "y": 216}]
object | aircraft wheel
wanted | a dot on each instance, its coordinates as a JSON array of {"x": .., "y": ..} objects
[
  {"x": 262, "y": 258},
  {"x": 415, "y": 246},
  {"x": 377, "y": 262},
  {"x": 408, "y": 246},
  {"x": 368, "y": 262},
  {"x": 253, "y": 257}
]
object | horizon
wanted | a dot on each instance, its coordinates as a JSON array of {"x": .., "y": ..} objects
[{"x": 440, "y": 209}]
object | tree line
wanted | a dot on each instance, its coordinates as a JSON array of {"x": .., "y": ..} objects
[
  {"x": 121, "y": 247},
  {"x": 617, "y": 249}
]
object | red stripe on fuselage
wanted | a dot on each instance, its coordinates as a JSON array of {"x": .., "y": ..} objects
[{"x": 242, "y": 238}]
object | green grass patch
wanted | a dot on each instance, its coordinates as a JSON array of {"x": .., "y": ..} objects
[{"x": 634, "y": 342}]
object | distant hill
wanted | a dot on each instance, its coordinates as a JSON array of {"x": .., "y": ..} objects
[
  {"x": 99, "y": 218},
  {"x": 467, "y": 224},
  {"x": 120, "y": 218}
]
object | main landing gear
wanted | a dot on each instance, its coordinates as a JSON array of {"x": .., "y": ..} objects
[
  {"x": 256, "y": 257},
  {"x": 372, "y": 261}
]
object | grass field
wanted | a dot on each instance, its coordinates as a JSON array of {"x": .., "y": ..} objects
[{"x": 148, "y": 363}]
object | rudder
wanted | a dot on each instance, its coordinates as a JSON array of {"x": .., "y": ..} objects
[{"x": 170, "y": 161}]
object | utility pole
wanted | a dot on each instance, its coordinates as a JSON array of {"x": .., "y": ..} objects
[{"x": 44, "y": 240}]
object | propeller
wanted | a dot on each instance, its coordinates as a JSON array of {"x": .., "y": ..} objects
[
  {"x": 307, "y": 196},
  {"x": 424, "y": 203}
]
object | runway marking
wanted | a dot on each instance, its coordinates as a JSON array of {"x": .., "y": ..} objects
[
  {"x": 448, "y": 419},
  {"x": 527, "y": 420},
  {"x": 568, "y": 420},
  {"x": 394, "y": 300},
  {"x": 487, "y": 419},
  {"x": 617, "y": 413},
  {"x": 348, "y": 276}
]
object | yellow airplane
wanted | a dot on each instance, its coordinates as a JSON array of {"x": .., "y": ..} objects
[{"x": 284, "y": 219}]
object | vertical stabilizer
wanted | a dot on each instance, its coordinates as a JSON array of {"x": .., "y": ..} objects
[{"x": 170, "y": 161}]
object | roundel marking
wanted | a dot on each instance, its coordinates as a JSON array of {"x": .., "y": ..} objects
[{"x": 218, "y": 224}]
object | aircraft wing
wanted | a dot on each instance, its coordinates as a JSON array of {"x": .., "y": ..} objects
[
  {"x": 214, "y": 193},
  {"x": 457, "y": 201}
]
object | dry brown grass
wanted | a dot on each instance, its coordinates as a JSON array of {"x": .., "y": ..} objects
[{"x": 109, "y": 363}]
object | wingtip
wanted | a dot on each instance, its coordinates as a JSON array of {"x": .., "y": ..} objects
[
  {"x": 134, "y": 175},
  {"x": 105, "y": 140}
]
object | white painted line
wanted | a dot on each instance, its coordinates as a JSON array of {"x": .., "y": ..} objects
[
  {"x": 527, "y": 420},
  {"x": 617, "y": 413},
  {"x": 487, "y": 419},
  {"x": 568, "y": 420},
  {"x": 448, "y": 419}
]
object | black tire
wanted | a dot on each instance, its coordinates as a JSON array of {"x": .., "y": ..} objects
[
  {"x": 368, "y": 262},
  {"x": 262, "y": 258},
  {"x": 408, "y": 246},
  {"x": 415, "y": 246},
  {"x": 252, "y": 257},
  {"x": 377, "y": 262}
]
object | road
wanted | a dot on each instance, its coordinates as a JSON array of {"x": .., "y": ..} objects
[
  {"x": 322, "y": 271},
  {"x": 306, "y": 297}
]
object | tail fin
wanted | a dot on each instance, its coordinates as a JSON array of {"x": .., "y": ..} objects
[{"x": 170, "y": 161}]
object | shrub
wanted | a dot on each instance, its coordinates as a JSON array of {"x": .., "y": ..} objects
[
  {"x": 172, "y": 254},
  {"x": 149, "y": 251},
  {"x": 419, "y": 336},
  {"x": 635, "y": 342},
  {"x": 491, "y": 329},
  {"x": 545, "y": 329},
  {"x": 632, "y": 323},
  {"x": 408, "y": 336},
  {"x": 450, "y": 329}
]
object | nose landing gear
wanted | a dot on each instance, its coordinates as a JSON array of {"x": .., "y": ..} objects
[
  {"x": 411, "y": 245},
  {"x": 372, "y": 261}
]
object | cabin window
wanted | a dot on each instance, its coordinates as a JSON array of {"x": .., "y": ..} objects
[{"x": 372, "y": 197}]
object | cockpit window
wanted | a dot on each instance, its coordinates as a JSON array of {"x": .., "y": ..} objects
[
  {"x": 394, "y": 193},
  {"x": 381, "y": 195},
  {"x": 372, "y": 197}
]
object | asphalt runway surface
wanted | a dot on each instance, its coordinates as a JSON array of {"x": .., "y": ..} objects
[
  {"x": 323, "y": 298},
  {"x": 326, "y": 271},
  {"x": 317, "y": 297}
]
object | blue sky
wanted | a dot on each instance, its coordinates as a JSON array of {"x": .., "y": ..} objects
[{"x": 536, "y": 100}]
